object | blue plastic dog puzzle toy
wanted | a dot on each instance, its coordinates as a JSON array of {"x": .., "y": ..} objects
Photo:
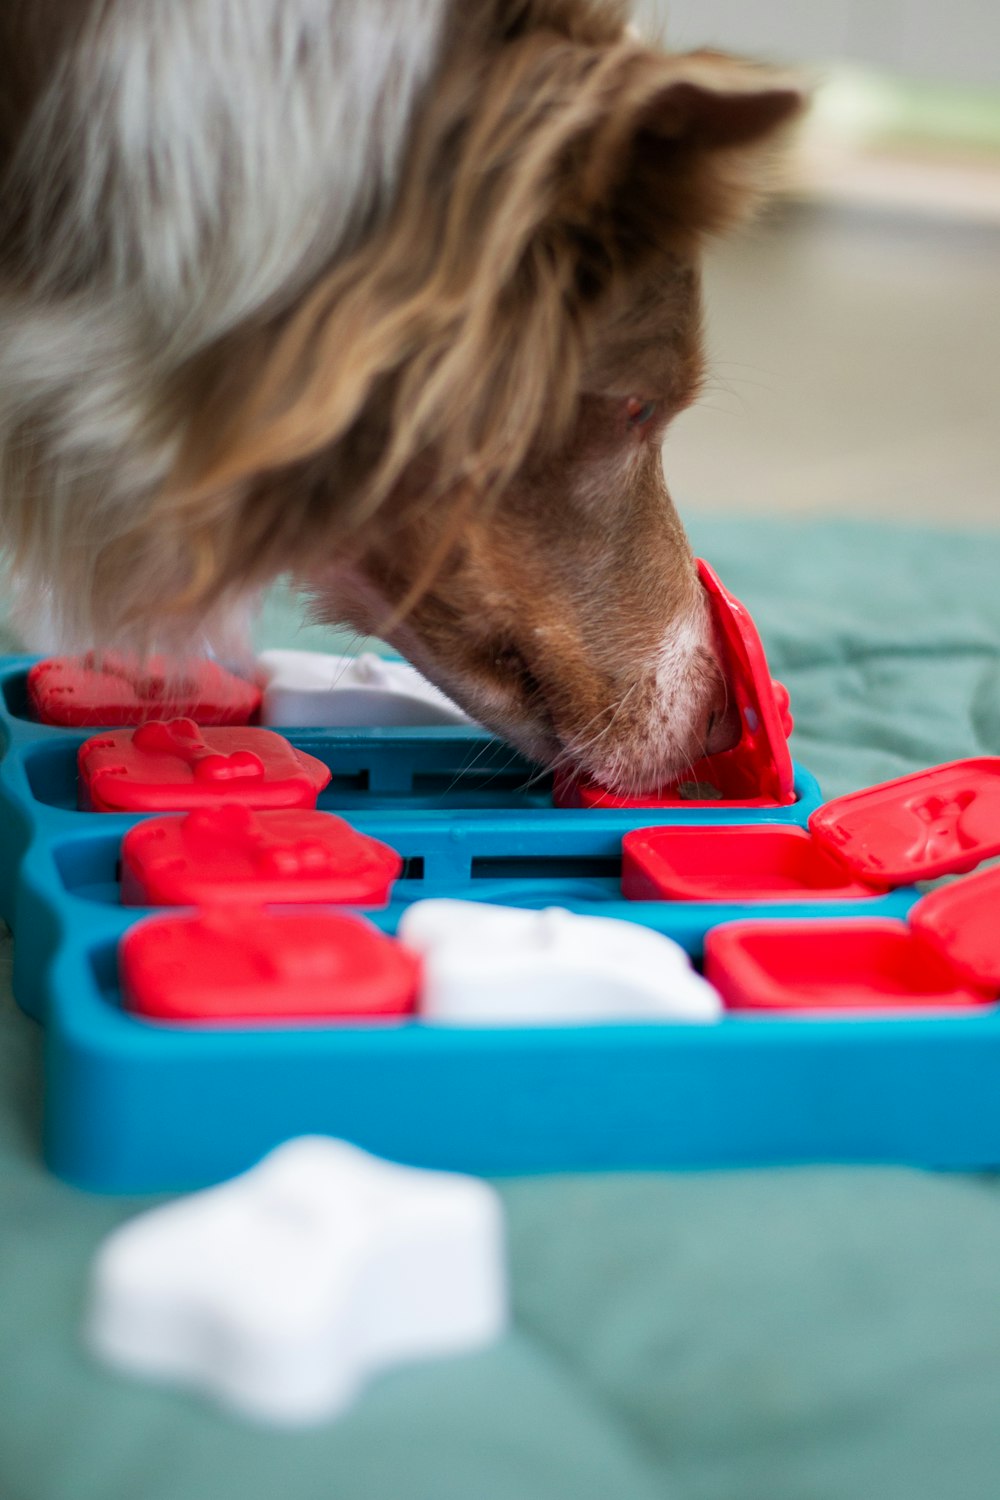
[{"x": 136, "y": 1104}]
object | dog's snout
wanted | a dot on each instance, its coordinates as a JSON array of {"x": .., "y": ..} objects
[{"x": 722, "y": 728}]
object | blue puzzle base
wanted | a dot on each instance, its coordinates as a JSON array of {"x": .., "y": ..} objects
[{"x": 134, "y": 1106}]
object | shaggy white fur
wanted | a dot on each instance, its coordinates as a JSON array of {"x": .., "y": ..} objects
[{"x": 194, "y": 162}]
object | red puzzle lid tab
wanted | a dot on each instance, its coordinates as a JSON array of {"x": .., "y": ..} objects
[
  {"x": 173, "y": 765},
  {"x": 244, "y": 964},
  {"x": 763, "y": 703},
  {"x": 942, "y": 821},
  {"x": 109, "y": 688},
  {"x": 962, "y": 921},
  {"x": 231, "y": 853},
  {"x": 758, "y": 771}
]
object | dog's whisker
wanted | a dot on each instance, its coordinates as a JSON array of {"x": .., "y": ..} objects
[
  {"x": 469, "y": 766},
  {"x": 571, "y": 755}
]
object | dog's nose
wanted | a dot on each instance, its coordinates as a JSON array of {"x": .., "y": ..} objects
[{"x": 723, "y": 727}]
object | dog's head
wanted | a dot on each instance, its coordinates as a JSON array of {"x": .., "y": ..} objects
[{"x": 452, "y": 434}]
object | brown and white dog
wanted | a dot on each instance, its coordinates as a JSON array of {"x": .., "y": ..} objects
[{"x": 394, "y": 296}]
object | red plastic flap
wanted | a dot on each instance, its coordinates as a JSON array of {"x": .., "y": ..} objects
[
  {"x": 232, "y": 964},
  {"x": 171, "y": 766},
  {"x": 868, "y": 965},
  {"x": 758, "y": 772},
  {"x": 962, "y": 921},
  {"x": 744, "y": 863},
  {"x": 108, "y": 688},
  {"x": 232, "y": 854},
  {"x": 942, "y": 821},
  {"x": 763, "y": 757}
]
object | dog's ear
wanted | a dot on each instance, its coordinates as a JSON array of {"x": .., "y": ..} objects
[{"x": 690, "y": 144}]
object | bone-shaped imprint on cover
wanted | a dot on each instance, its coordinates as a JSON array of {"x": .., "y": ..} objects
[
  {"x": 942, "y": 829},
  {"x": 183, "y": 740}
]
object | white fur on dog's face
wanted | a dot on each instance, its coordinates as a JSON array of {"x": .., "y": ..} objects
[{"x": 681, "y": 695}]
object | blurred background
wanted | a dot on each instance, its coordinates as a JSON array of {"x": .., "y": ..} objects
[{"x": 854, "y": 334}]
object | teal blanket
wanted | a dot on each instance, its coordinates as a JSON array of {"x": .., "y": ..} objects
[{"x": 823, "y": 1334}]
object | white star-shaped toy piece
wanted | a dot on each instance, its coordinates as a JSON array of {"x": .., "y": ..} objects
[
  {"x": 505, "y": 966},
  {"x": 279, "y": 1293},
  {"x": 311, "y": 690}
]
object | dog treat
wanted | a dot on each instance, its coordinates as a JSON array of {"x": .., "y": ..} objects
[
  {"x": 308, "y": 688},
  {"x": 282, "y": 1292},
  {"x": 698, "y": 791},
  {"x": 505, "y": 966}
]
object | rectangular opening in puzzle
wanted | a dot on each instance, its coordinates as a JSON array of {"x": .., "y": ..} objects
[
  {"x": 15, "y": 695},
  {"x": 403, "y": 769},
  {"x": 545, "y": 866},
  {"x": 347, "y": 781},
  {"x": 447, "y": 793},
  {"x": 103, "y": 960},
  {"x": 90, "y": 867},
  {"x": 52, "y": 774},
  {"x": 514, "y": 779},
  {"x": 583, "y": 895}
]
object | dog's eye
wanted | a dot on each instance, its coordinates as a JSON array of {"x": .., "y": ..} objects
[
  {"x": 511, "y": 665},
  {"x": 509, "y": 662},
  {"x": 639, "y": 412}
]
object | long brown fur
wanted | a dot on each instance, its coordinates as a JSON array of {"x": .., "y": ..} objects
[
  {"x": 545, "y": 180},
  {"x": 432, "y": 431}
]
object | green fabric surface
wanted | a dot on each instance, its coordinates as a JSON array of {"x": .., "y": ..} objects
[{"x": 827, "y": 1334}]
